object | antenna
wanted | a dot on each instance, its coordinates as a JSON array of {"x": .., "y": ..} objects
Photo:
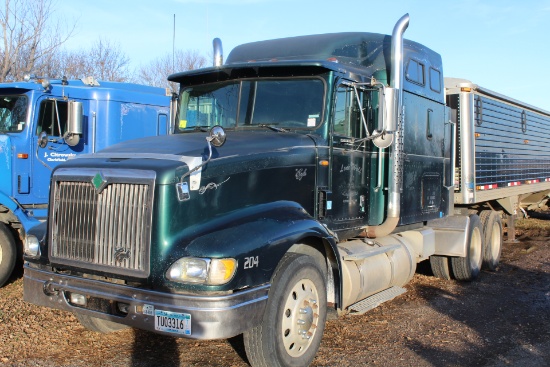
[{"x": 174, "y": 47}]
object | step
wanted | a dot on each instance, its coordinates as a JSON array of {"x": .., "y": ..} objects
[{"x": 375, "y": 300}]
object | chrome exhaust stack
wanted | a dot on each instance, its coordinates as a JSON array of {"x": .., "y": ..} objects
[
  {"x": 218, "y": 52},
  {"x": 395, "y": 117}
]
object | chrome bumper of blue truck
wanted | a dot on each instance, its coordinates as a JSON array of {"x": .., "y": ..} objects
[{"x": 196, "y": 317}]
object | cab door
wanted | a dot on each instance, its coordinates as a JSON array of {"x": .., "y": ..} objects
[
  {"x": 51, "y": 119},
  {"x": 354, "y": 159}
]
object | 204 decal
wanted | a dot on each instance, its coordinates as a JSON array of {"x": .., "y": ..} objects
[{"x": 251, "y": 262}]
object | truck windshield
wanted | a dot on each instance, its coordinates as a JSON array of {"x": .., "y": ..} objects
[
  {"x": 13, "y": 113},
  {"x": 285, "y": 103}
]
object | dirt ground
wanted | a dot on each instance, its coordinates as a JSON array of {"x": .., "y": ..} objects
[{"x": 502, "y": 319}]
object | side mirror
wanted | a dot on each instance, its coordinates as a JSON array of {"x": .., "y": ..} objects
[
  {"x": 387, "y": 112},
  {"x": 43, "y": 139},
  {"x": 74, "y": 123},
  {"x": 217, "y": 136},
  {"x": 391, "y": 109}
]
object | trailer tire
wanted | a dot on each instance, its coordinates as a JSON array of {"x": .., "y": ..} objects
[
  {"x": 440, "y": 266},
  {"x": 296, "y": 307},
  {"x": 492, "y": 231},
  {"x": 99, "y": 325},
  {"x": 8, "y": 254},
  {"x": 467, "y": 268}
]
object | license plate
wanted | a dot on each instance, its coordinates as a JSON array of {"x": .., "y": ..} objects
[{"x": 173, "y": 322}]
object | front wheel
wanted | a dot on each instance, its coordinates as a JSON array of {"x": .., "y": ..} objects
[
  {"x": 294, "y": 319},
  {"x": 8, "y": 254}
]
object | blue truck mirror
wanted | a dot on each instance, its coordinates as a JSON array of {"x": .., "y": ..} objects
[{"x": 74, "y": 123}]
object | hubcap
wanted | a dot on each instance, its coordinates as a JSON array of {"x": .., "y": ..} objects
[
  {"x": 475, "y": 249},
  {"x": 495, "y": 241},
  {"x": 300, "y": 317}
]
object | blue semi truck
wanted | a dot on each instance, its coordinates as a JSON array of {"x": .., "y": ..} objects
[{"x": 45, "y": 122}]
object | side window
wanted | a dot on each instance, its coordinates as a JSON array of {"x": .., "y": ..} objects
[
  {"x": 347, "y": 112},
  {"x": 13, "y": 113},
  {"x": 435, "y": 80},
  {"x": 415, "y": 72},
  {"x": 343, "y": 111},
  {"x": 52, "y": 118}
]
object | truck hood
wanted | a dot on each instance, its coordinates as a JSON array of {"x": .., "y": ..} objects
[
  {"x": 165, "y": 154},
  {"x": 195, "y": 145}
]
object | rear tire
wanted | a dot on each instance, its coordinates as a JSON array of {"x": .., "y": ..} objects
[
  {"x": 492, "y": 230},
  {"x": 99, "y": 325},
  {"x": 440, "y": 266},
  {"x": 8, "y": 254},
  {"x": 467, "y": 268},
  {"x": 294, "y": 319}
]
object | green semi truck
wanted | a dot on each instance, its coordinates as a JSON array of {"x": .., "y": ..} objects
[{"x": 306, "y": 176}]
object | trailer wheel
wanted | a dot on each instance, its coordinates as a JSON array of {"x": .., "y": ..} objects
[
  {"x": 492, "y": 230},
  {"x": 440, "y": 266},
  {"x": 8, "y": 254},
  {"x": 467, "y": 268},
  {"x": 294, "y": 319},
  {"x": 99, "y": 325}
]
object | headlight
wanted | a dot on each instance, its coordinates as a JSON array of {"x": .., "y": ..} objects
[
  {"x": 32, "y": 246},
  {"x": 202, "y": 270}
]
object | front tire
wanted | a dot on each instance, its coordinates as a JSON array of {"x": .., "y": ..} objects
[
  {"x": 467, "y": 268},
  {"x": 8, "y": 254},
  {"x": 294, "y": 319}
]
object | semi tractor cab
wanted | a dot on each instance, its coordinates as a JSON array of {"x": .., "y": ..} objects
[
  {"x": 45, "y": 122},
  {"x": 306, "y": 175}
]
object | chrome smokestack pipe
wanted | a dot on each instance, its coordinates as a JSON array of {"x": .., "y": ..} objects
[
  {"x": 396, "y": 77},
  {"x": 395, "y": 182},
  {"x": 218, "y": 52}
]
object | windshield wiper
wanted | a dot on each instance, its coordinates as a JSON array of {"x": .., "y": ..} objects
[{"x": 274, "y": 128}]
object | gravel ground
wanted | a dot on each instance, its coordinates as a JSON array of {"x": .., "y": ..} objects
[{"x": 503, "y": 319}]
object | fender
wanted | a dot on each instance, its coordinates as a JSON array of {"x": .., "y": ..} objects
[
  {"x": 258, "y": 237},
  {"x": 18, "y": 212}
]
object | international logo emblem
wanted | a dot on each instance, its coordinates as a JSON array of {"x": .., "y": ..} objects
[
  {"x": 121, "y": 254},
  {"x": 99, "y": 182}
]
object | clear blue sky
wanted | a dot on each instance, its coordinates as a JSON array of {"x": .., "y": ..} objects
[{"x": 501, "y": 45}]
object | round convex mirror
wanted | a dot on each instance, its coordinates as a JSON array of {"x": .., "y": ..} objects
[
  {"x": 43, "y": 139},
  {"x": 217, "y": 136}
]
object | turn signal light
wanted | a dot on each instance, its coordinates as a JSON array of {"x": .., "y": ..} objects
[{"x": 22, "y": 155}]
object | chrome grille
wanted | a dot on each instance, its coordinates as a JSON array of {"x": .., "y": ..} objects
[{"x": 107, "y": 230}]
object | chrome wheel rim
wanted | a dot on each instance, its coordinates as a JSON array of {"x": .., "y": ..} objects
[
  {"x": 475, "y": 249},
  {"x": 300, "y": 317},
  {"x": 495, "y": 242}
]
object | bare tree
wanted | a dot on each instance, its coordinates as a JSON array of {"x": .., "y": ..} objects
[
  {"x": 157, "y": 72},
  {"x": 103, "y": 61},
  {"x": 29, "y": 34},
  {"x": 107, "y": 62}
]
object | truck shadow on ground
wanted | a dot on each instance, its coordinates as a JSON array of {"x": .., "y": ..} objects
[
  {"x": 506, "y": 314},
  {"x": 152, "y": 350}
]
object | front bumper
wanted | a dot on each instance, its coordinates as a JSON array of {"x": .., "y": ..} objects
[{"x": 212, "y": 317}]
